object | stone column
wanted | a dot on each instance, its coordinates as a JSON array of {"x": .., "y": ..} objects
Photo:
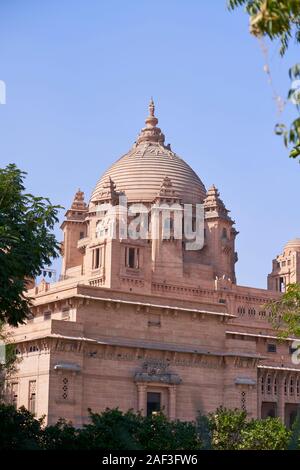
[
  {"x": 281, "y": 400},
  {"x": 142, "y": 398},
  {"x": 260, "y": 377},
  {"x": 172, "y": 402}
]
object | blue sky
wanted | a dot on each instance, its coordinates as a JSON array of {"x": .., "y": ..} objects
[{"x": 79, "y": 75}]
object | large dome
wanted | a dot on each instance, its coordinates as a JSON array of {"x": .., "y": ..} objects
[
  {"x": 293, "y": 244},
  {"x": 141, "y": 172}
]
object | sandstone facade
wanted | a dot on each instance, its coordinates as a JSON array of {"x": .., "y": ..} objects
[{"x": 147, "y": 324}]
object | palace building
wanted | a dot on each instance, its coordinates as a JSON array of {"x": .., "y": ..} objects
[{"x": 145, "y": 323}]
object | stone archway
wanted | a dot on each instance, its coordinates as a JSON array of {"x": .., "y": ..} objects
[
  {"x": 268, "y": 409},
  {"x": 290, "y": 414}
]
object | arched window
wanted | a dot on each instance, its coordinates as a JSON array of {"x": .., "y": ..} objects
[
  {"x": 268, "y": 384},
  {"x": 291, "y": 386},
  {"x": 285, "y": 386},
  {"x": 275, "y": 386},
  {"x": 262, "y": 384}
]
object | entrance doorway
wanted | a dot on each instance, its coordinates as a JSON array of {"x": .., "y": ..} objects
[
  {"x": 268, "y": 410},
  {"x": 290, "y": 414},
  {"x": 153, "y": 403}
]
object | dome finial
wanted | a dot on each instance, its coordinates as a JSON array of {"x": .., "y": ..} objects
[
  {"x": 151, "y": 133},
  {"x": 151, "y": 120},
  {"x": 151, "y": 107}
]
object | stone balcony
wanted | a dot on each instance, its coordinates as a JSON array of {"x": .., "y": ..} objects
[{"x": 82, "y": 243}]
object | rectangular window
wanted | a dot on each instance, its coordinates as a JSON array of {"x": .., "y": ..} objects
[
  {"x": 271, "y": 348},
  {"x": 97, "y": 258},
  {"x": 14, "y": 394},
  {"x": 281, "y": 284},
  {"x": 154, "y": 320},
  {"x": 32, "y": 396},
  {"x": 153, "y": 403},
  {"x": 47, "y": 315},
  {"x": 81, "y": 235},
  {"x": 132, "y": 257}
]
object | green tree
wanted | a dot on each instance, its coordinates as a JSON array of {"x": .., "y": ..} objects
[
  {"x": 157, "y": 432},
  {"x": 112, "y": 429},
  {"x": 285, "y": 312},
  {"x": 63, "y": 436},
  {"x": 19, "y": 430},
  {"x": 8, "y": 360},
  {"x": 26, "y": 242},
  {"x": 264, "y": 434},
  {"x": 204, "y": 427},
  {"x": 279, "y": 20},
  {"x": 294, "y": 440},
  {"x": 226, "y": 428},
  {"x": 116, "y": 430},
  {"x": 231, "y": 430}
]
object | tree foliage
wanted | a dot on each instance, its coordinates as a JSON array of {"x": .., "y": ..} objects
[
  {"x": 112, "y": 429},
  {"x": 19, "y": 430},
  {"x": 115, "y": 430},
  {"x": 231, "y": 430},
  {"x": 61, "y": 436},
  {"x": 291, "y": 134},
  {"x": 26, "y": 242},
  {"x": 8, "y": 360},
  {"x": 279, "y": 20},
  {"x": 285, "y": 312},
  {"x": 226, "y": 428},
  {"x": 159, "y": 433},
  {"x": 265, "y": 434}
]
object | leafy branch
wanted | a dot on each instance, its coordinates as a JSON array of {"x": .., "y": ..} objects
[{"x": 278, "y": 20}]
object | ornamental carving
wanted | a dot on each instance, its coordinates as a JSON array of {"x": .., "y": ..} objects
[
  {"x": 155, "y": 366},
  {"x": 155, "y": 370}
]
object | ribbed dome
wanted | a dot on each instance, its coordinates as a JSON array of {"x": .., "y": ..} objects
[
  {"x": 141, "y": 172},
  {"x": 295, "y": 243}
]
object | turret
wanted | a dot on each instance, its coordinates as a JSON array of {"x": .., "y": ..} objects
[
  {"x": 286, "y": 267},
  {"x": 74, "y": 228},
  {"x": 219, "y": 236}
]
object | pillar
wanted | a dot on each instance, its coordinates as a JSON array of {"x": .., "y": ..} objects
[
  {"x": 172, "y": 402},
  {"x": 281, "y": 400},
  {"x": 142, "y": 398}
]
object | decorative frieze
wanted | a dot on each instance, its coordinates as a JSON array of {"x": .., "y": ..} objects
[{"x": 175, "y": 359}]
